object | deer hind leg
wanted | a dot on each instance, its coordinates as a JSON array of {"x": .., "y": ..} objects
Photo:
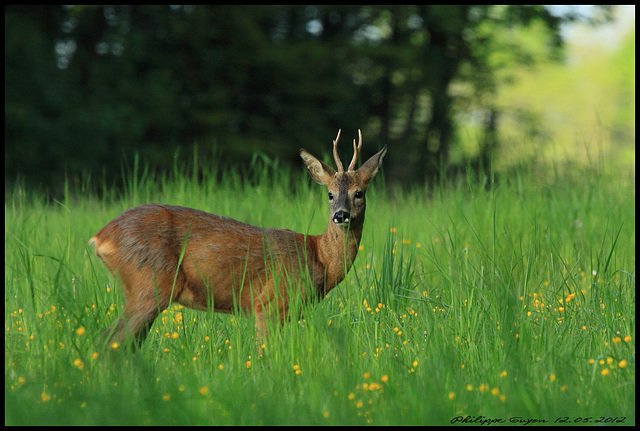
[
  {"x": 146, "y": 297},
  {"x": 131, "y": 328}
]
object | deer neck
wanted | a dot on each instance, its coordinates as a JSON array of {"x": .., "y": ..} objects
[{"x": 336, "y": 250}]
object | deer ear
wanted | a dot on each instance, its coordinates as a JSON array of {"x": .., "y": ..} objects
[
  {"x": 319, "y": 171},
  {"x": 370, "y": 168}
]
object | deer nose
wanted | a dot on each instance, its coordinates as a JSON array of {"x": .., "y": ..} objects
[{"x": 341, "y": 217}]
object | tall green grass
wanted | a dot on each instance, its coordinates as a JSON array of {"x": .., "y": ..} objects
[{"x": 508, "y": 300}]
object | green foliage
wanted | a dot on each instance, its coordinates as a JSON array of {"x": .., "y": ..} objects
[
  {"x": 593, "y": 117},
  {"x": 88, "y": 86},
  {"x": 516, "y": 300}
]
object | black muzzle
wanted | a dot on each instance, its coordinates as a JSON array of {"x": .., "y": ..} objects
[{"x": 341, "y": 217}]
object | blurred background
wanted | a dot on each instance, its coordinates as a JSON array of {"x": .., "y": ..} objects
[{"x": 450, "y": 89}]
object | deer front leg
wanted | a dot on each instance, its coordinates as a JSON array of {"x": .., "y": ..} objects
[
  {"x": 261, "y": 330},
  {"x": 270, "y": 305}
]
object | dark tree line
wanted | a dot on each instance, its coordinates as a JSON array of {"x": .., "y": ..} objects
[{"x": 86, "y": 86}]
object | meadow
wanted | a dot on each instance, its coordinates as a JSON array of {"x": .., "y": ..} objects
[{"x": 492, "y": 299}]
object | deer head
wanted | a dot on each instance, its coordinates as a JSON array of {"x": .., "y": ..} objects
[{"x": 346, "y": 188}]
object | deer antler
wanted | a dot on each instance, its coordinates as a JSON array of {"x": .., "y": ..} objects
[
  {"x": 335, "y": 153},
  {"x": 356, "y": 151}
]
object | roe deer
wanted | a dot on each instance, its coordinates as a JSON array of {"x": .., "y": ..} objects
[{"x": 166, "y": 254}]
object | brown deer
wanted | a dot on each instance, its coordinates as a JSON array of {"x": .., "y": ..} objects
[{"x": 166, "y": 254}]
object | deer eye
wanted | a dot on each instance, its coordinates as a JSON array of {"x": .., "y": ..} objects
[
  {"x": 359, "y": 194},
  {"x": 330, "y": 196}
]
